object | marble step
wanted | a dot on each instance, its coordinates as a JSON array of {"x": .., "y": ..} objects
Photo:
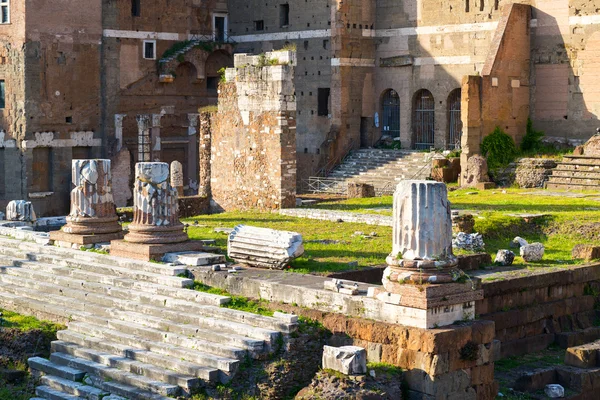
[
  {"x": 186, "y": 382},
  {"x": 46, "y": 392},
  {"x": 196, "y": 355},
  {"x": 105, "y": 306},
  {"x": 60, "y": 262},
  {"x": 61, "y": 371},
  {"x": 73, "y": 388},
  {"x": 113, "y": 374},
  {"x": 143, "y": 292},
  {"x": 136, "y": 353}
]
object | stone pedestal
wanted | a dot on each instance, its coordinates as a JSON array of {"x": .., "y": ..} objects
[
  {"x": 155, "y": 229},
  {"x": 92, "y": 218},
  {"x": 421, "y": 276}
]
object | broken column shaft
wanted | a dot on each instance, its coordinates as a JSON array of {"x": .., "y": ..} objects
[{"x": 155, "y": 207}]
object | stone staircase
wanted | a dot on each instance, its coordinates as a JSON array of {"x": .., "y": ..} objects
[
  {"x": 383, "y": 168},
  {"x": 135, "y": 329},
  {"x": 576, "y": 173}
]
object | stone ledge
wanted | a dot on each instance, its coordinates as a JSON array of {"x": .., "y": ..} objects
[
  {"x": 147, "y": 252},
  {"x": 83, "y": 240},
  {"x": 307, "y": 291}
]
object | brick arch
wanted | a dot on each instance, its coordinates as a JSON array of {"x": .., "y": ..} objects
[{"x": 216, "y": 60}]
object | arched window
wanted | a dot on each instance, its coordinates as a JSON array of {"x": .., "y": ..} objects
[
  {"x": 454, "y": 121},
  {"x": 390, "y": 117},
  {"x": 423, "y": 120}
]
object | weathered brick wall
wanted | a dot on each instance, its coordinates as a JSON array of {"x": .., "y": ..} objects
[
  {"x": 533, "y": 310},
  {"x": 253, "y": 143}
]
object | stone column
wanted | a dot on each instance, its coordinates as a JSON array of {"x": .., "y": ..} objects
[
  {"x": 119, "y": 130},
  {"x": 155, "y": 207},
  {"x": 92, "y": 205},
  {"x": 422, "y": 235},
  {"x": 177, "y": 177},
  {"x": 144, "y": 145},
  {"x": 204, "y": 158},
  {"x": 155, "y": 137}
]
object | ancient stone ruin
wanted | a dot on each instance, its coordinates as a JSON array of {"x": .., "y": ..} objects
[
  {"x": 261, "y": 247},
  {"x": 92, "y": 218},
  {"x": 155, "y": 229},
  {"x": 421, "y": 277},
  {"x": 20, "y": 210}
]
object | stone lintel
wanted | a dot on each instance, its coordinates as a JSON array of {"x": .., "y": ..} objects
[
  {"x": 147, "y": 252},
  {"x": 83, "y": 240}
]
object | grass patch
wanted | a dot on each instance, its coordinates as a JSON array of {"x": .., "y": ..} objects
[
  {"x": 237, "y": 302},
  {"x": 329, "y": 246},
  {"x": 28, "y": 323},
  {"x": 568, "y": 221}
]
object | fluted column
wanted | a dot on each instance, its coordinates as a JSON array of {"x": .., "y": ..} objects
[
  {"x": 92, "y": 204},
  {"x": 155, "y": 207},
  {"x": 20, "y": 210},
  {"x": 422, "y": 234}
]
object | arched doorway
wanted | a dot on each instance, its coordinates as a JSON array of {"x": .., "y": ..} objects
[
  {"x": 390, "y": 113},
  {"x": 217, "y": 60},
  {"x": 454, "y": 121},
  {"x": 423, "y": 120}
]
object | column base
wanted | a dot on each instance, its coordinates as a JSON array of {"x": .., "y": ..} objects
[
  {"x": 74, "y": 241},
  {"x": 432, "y": 306},
  {"x": 156, "y": 251}
]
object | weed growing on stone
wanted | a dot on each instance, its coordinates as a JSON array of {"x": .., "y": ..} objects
[{"x": 237, "y": 302}]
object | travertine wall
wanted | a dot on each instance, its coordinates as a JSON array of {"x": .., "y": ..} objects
[
  {"x": 413, "y": 45},
  {"x": 253, "y": 143}
]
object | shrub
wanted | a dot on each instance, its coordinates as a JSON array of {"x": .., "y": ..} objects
[
  {"x": 498, "y": 148},
  {"x": 532, "y": 141}
]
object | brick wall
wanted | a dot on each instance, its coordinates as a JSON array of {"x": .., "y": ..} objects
[{"x": 253, "y": 143}]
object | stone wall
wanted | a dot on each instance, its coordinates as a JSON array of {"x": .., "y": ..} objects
[
  {"x": 500, "y": 96},
  {"x": 253, "y": 143},
  {"x": 533, "y": 311}
]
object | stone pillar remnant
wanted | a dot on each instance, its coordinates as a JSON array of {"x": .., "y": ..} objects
[
  {"x": 155, "y": 229},
  {"x": 93, "y": 218},
  {"x": 92, "y": 205},
  {"x": 204, "y": 156},
  {"x": 20, "y": 210},
  {"x": 155, "y": 207},
  {"x": 177, "y": 177},
  {"x": 421, "y": 279},
  {"x": 422, "y": 232}
]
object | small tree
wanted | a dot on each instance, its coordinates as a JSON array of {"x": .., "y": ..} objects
[{"x": 498, "y": 148}]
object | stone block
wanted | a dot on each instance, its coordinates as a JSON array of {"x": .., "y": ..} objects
[
  {"x": 584, "y": 356},
  {"x": 82, "y": 240},
  {"x": 485, "y": 185},
  {"x": 193, "y": 259},
  {"x": 262, "y": 247},
  {"x": 349, "y": 360},
  {"x": 285, "y": 317},
  {"x": 504, "y": 258},
  {"x": 357, "y": 190},
  {"x": 147, "y": 252},
  {"x": 20, "y": 210},
  {"x": 554, "y": 391},
  {"x": 532, "y": 252},
  {"x": 586, "y": 252}
]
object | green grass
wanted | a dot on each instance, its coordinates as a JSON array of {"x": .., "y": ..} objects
[
  {"x": 329, "y": 246},
  {"x": 28, "y": 323},
  {"x": 569, "y": 220},
  {"x": 237, "y": 302}
]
